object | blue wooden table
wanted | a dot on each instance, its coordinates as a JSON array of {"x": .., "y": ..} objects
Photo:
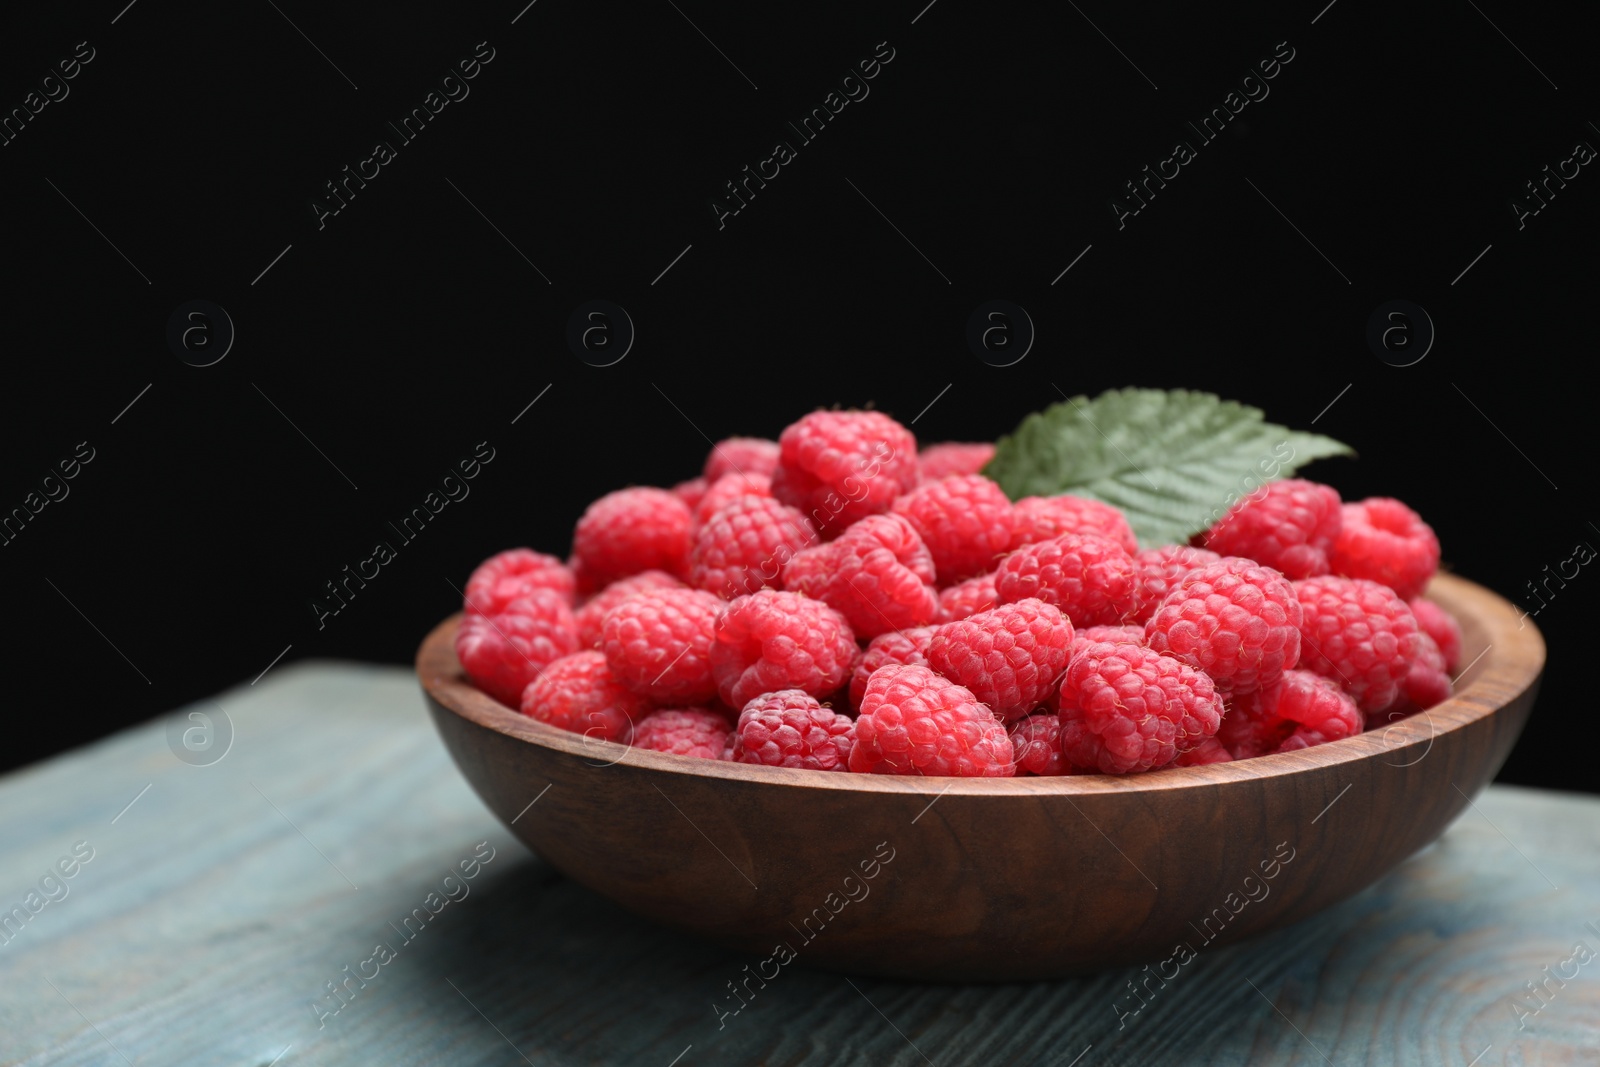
[{"x": 321, "y": 887}]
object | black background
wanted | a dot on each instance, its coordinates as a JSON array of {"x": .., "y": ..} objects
[{"x": 411, "y": 327}]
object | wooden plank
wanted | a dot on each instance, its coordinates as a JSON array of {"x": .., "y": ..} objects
[{"x": 218, "y": 905}]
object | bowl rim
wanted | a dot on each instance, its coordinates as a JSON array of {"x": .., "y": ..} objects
[{"x": 1511, "y": 663}]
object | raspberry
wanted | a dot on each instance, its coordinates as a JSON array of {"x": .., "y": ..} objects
[
  {"x": 1289, "y": 526},
  {"x": 965, "y": 520},
  {"x": 658, "y": 643},
  {"x": 502, "y": 653},
  {"x": 594, "y": 610},
  {"x": 774, "y": 640},
  {"x": 1437, "y": 624},
  {"x": 1360, "y": 634},
  {"x": 1235, "y": 620},
  {"x": 741, "y": 455},
  {"x": 913, "y": 721},
  {"x": 877, "y": 575},
  {"x": 1248, "y": 730},
  {"x": 629, "y": 531},
  {"x": 1093, "y": 635},
  {"x": 683, "y": 732},
  {"x": 953, "y": 457},
  {"x": 691, "y": 491},
  {"x": 1425, "y": 685},
  {"x": 790, "y": 729},
  {"x": 1126, "y": 708},
  {"x": 745, "y": 545},
  {"x": 1308, "y": 708},
  {"x": 840, "y": 466},
  {"x": 1089, "y": 577},
  {"x": 727, "y": 488},
  {"x": 1009, "y": 657},
  {"x": 1384, "y": 541},
  {"x": 577, "y": 693},
  {"x": 1040, "y": 518},
  {"x": 897, "y": 646},
  {"x": 967, "y": 598},
  {"x": 1036, "y": 742},
  {"x": 1156, "y": 570},
  {"x": 1206, "y": 752},
  {"x": 516, "y": 572}
]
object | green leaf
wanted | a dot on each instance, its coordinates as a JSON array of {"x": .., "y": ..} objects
[{"x": 1174, "y": 461}]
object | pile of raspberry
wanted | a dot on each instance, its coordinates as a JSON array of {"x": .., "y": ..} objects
[{"x": 837, "y": 600}]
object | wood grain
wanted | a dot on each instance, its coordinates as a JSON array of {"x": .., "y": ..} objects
[
  {"x": 999, "y": 879},
  {"x": 206, "y": 925}
]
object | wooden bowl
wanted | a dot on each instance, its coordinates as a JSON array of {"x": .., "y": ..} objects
[{"x": 993, "y": 879}]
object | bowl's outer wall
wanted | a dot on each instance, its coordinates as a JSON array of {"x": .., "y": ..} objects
[{"x": 997, "y": 880}]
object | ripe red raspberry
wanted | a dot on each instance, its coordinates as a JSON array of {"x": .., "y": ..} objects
[
  {"x": 629, "y": 531},
  {"x": 577, "y": 693},
  {"x": 1036, "y": 743},
  {"x": 659, "y": 643},
  {"x": 1425, "y": 685},
  {"x": 1237, "y": 621},
  {"x": 967, "y": 598},
  {"x": 1206, "y": 752},
  {"x": 877, "y": 575},
  {"x": 1093, "y": 635},
  {"x": 745, "y": 545},
  {"x": 516, "y": 572},
  {"x": 897, "y": 646},
  {"x": 691, "y": 491},
  {"x": 953, "y": 457},
  {"x": 1126, "y": 708},
  {"x": 502, "y": 653},
  {"x": 741, "y": 455},
  {"x": 914, "y": 721},
  {"x": 1437, "y": 624},
  {"x": 1289, "y": 526},
  {"x": 1040, "y": 518},
  {"x": 1156, "y": 570},
  {"x": 1009, "y": 657},
  {"x": 594, "y": 610},
  {"x": 1360, "y": 634},
  {"x": 774, "y": 640},
  {"x": 790, "y": 729},
  {"x": 965, "y": 520},
  {"x": 726, "y": 489},
  {"x": 684, "y": 732},
  {"x": 840, "y": 466},
  {"x": 1089, "y": 577},
  {"x": 1384, "y": 541},
  {"x": 1314, "y": 707},
  {"x": 1249, "y": 730}
]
